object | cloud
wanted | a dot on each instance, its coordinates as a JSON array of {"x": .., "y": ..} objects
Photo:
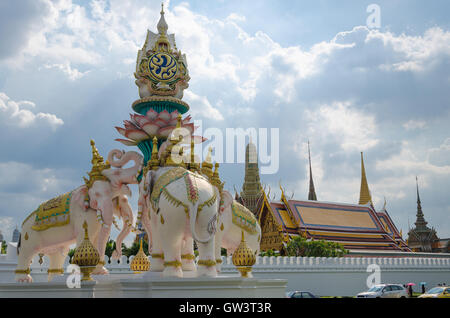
[
  {"x": 377, "y": 91},
  {"x": 344, "y": 123},
  {"x": 440, "y": 156},
  {"x": 414, "y": 124},
  {"x": 201, "y": 107},
  {"x": 16, "y": 116},
  {"x": 17, "y": 23},
  {"x": 72, "y": 73}
]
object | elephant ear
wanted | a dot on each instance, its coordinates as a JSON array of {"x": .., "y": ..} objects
[
  {"x": 227, "y": 199},
  {"x": 79, "y": 196}
]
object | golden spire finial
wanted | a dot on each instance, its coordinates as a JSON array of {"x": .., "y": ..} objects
[
  {"x": 364, "y": 195},
  {"x": 179, "y": 121},
  {"x": 97, "y": 167},
  {"x": 282, "y": 190},
  {"x": 207, "y": 164},
  {"x": 162, "y": 24},
  {"x": 154, "y": 160},
  {"x": 193, "y": 166},
  {"x": 85, "y": 227},
  {"x": 215, "y": 179}
]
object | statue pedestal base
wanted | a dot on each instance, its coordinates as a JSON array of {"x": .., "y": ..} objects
[{"x": 151, "y": 285}]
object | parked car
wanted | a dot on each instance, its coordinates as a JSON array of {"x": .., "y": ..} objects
[
  {"x": 385, "y": 291},
  {"x": 299, "y": 294},
  {"x": 437, "y": 292}
]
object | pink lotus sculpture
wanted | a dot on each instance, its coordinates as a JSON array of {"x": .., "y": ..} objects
[{"x": 160, "y": 125}]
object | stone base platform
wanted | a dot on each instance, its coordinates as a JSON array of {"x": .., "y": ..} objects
[{"x": 150, "y": 285}]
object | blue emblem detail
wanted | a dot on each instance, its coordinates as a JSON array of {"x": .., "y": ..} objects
[{"x": 163, "y": 67}]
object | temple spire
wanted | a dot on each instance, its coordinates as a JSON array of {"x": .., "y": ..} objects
[
  {"x": 420, "y": 222},
  {"x": 312, "y": 192},
  {"x": 162, "y": 24},
  {"x": 364, "y": 195},
  {"x": 252, "y": 188}
]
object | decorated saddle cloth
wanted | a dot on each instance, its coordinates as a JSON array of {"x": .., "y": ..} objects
[
  {"x": 54, "y": 212},
  {"x": 173, "y": 175},
  {"x": 243, "y": 218}
]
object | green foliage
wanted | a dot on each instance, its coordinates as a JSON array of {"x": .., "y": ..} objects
[
  {"x": 269, "y": 253},
  {"x": 70, "y": 254},
  {"x": 4, "y": 248},
  {"x": 110, "y": 247},
  {"x": 134, "y": 249},
  {"x": 299, "y": 246},
  {"x": 223, "y": 252}
]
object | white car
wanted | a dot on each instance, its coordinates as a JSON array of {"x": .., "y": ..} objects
[{"x": 385, "y": 291}]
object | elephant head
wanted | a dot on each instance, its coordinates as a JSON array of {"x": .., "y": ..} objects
[{"x": 226, "y": 201}]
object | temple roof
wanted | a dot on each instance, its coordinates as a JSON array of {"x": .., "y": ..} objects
[{"x": 354, "y": 226}]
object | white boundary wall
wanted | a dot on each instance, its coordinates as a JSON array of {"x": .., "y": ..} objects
[{"x": 320, "y": 275}]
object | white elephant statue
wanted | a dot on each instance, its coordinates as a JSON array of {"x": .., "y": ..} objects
[
  {"x": 57, "y": 223},
  {"x": 53, "y": 238},
  {"x": 177, "y": 207},
  {"x": 233, "y": 219}
]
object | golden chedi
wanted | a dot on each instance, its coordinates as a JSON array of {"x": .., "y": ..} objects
[
  {"x": 140, "y": 262},
  {"x": 86, "y": 256},
  {"x": 244, "y": 258}
]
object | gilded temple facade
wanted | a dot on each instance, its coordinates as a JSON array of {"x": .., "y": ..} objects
[{"x": 355, "y": 226}]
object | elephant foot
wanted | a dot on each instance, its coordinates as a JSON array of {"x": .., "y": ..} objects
[
  {"x": 51, "y": 276},
  {"x": 157, "y": 264},
  {"x": 100, "y": 270},
  {"x": 171, "y": 271},
  {"x": 208, "y": 271},
  {"x": 188, "y": 266},
  {"x": 116, "y": 255},
  {"x": 24, "y": 278}
]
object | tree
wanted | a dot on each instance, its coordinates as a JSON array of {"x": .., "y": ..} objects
[
  {"x": 70, "y": 254},
  {"x": 299, "y": 246},
  {"x": 110, "y": 247},
  {"x": 4, "y": 247},
  {"x": 269, "y": 253},
  {"x": 134, "y": 248}
]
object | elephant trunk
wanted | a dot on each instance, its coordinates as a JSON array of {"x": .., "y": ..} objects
[
  {"x": 193, "y": 211},
  {"x": 123, "y": 158},
  {"x": 116, "y": 154}
]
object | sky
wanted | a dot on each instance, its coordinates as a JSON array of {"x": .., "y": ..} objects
[{"x": 313, "y": 69}]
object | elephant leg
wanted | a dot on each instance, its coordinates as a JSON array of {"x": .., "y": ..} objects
[
  {"x": 171, "y": 221},
  {"x": 156, "y": 250},
  {"x": 187, "y": 255},
  {"x": 207, "y": 260},
  {"x": 218, "y": 249},
  {"x": 26, "y": 254},
  {"x": 56, "y": 263},
  {"x": 102, "y": 240},
  {"x": 127, "y": 214}
]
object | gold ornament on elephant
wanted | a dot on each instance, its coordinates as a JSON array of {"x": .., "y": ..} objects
[
  {"x": 244, "y": 258},
  {"x": 207, "y": 165},
  {"x": 86, "y": 256},
  {"x": 140, "y": 262},
  {"x": 97, "y": 167},
  {"x": 215, "y": 179}
]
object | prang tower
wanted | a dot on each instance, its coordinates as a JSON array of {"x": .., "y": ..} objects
[{"x": 251, "y": 189}]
